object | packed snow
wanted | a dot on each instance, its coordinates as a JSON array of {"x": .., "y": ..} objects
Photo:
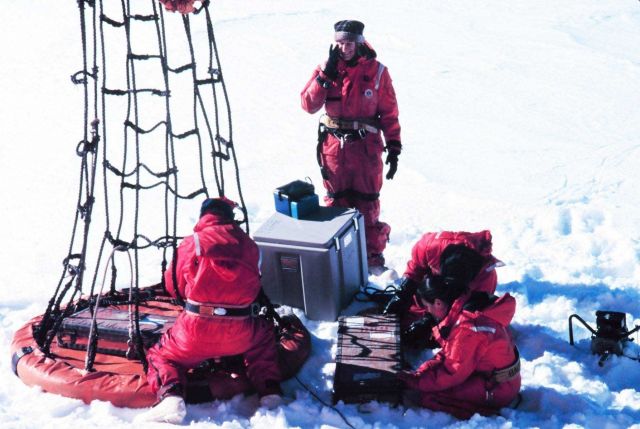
[{"x": 520, "y": 117}]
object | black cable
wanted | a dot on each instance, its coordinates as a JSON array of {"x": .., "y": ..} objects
[
  {"x": 263, "y": 298},
  {"x": 373, "y": 294},
  {"x": 315, "y": 395}
]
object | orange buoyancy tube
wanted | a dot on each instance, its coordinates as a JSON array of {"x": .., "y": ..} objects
[{"x": 123, "y": 382}]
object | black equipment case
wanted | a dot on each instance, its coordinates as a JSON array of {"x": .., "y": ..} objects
[
  {"x": 368, "y": 358},
  {"x": 113, "y": 330}
]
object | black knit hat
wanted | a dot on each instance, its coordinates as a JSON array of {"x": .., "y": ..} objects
[
  {"x": 459, "y": 263},
  {"x": 447, "y": 290},
  {"x": 219, "y": 206},
  {"x": 349, "y": 30}
]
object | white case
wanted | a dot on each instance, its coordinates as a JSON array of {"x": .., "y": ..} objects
[{"x": 317, "y": 263}]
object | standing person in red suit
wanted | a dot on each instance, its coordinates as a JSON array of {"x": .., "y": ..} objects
[
  {"x": 477, "y": 369},
  {"x": 360, "y": 104},
  {"x": 461, "y": 256},
  {"x": 218, "y": 275}
]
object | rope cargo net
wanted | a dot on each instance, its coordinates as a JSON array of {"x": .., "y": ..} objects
[{"x": 157, "y": 135}]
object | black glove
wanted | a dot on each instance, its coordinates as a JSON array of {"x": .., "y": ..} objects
[
  {"x": 331, "y": 69},
  {"x": 409, "y": 379},
  {"x": 393, "y": 151},
  {"x": 418, "y": 333},
  {"x": 400, "y": 302},
  {"x": 269, "y": 311}
]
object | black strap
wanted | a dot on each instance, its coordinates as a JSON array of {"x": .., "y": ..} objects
[
  {"x": 17, "y": 356},
  {"x": 348, "y": 134},
  {"x": 353, "y": 194},
  {"x": 509, "y": 372},
  {"x": 322, "y": 134},
  {"x": 251, "y": 310},
  {"x": 264, "y": 300}
]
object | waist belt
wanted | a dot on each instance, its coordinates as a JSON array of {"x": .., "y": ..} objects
[
  {"x": 215, "y": 311},
  {"x": 508, "y": 373},
  {"x": 346, "y": 125}
]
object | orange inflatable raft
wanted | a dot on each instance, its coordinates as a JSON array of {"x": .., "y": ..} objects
[{"x": 122, "y": 381}]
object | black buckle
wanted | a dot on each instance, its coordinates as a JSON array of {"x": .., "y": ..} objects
[
  {"x": 323, "y": 83},
  {"x": 17, "y": 356},
  {"x": 255, "y": 309},
  {"x": 349, "y": 135}
]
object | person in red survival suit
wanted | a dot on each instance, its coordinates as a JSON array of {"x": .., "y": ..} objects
[
  {"x": 360, "y": 102},
  {"x": 477, "y": 370},
  {"x": 218, "y": 275},
  {"x": 461, "y": 256}
]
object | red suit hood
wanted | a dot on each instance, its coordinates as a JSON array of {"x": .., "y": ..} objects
[
  {"x": 501, "y": 311},
  {"x": 218, "y": 237}
]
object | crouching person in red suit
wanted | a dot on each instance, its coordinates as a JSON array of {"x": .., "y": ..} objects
[
  {"x": 216, "y": 271},
  {"x": 461, "y": 256},
  {"x": 477, "y": 369}
]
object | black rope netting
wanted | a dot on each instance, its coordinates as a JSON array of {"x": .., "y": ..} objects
[{"x": 161, "y": 132}]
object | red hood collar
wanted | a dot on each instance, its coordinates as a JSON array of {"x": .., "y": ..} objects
[
  {"x": 502, "y": 311},
  {"x": 209, "y": 219}
]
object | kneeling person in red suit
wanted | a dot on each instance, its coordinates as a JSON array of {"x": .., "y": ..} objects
[
  {"x": 477, "y": 370},
  {"x": 462, "y": 256},
  {"x": 216, "y": 271}
]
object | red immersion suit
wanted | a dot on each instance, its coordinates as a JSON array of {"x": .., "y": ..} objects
[
  {"x": 352, "y": 166},
  {"x": 425, "y": 257},
  {"x": 425, "y": 262},
  {"x": 458, "y": 379},
  {"x": 216, "y": 266}
]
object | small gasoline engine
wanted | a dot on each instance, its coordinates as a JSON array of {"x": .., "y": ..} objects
[{"x": 609, "y": 337}]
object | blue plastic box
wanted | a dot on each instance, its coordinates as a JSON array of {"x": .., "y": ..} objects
[
  {"x": 305, "y": 206},
  {"x": 296, "y": 209}
]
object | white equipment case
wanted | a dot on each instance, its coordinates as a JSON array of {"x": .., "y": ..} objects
[{"x": 317, "y": 263}]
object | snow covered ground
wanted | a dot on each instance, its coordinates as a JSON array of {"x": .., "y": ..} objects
[{"x": 519, "y": 117}]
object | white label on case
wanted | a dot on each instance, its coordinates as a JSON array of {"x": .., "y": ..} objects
[
  {"x": 380, "y": 335},
  {"x": 355, "y": 321},
  {"x": 347, "y": 240}
]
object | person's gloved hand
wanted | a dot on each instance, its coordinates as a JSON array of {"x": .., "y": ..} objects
[
  {"x": 409, "y": 379},
  {"x": 393, "y": 151},
  {"x": 400, "y": 302},
  {"x": 394, "y": 306},
  {"x": 331, "y": 68},
  {"x": 419, "y": 332},
  {"x": 392, "y": 160}
]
